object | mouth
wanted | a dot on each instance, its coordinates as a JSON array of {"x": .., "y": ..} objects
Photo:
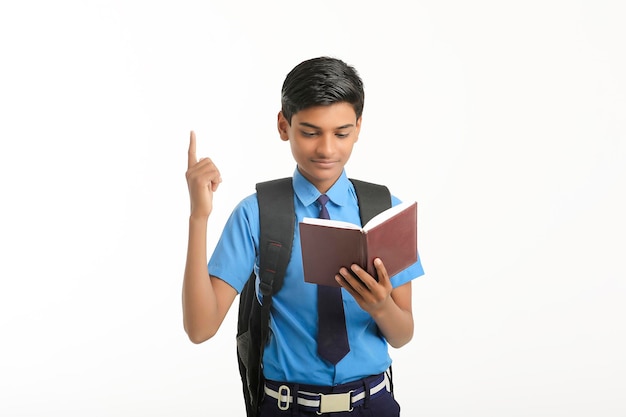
[{"x": 324, "y": 163}]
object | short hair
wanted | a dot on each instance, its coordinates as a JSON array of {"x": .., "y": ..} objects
[{"x": 321, "y": 82}]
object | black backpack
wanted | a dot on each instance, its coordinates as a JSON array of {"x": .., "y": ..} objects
[{"x": 277, "y": 224}]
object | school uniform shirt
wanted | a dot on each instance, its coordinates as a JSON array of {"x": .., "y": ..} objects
[{"x": 291, "y": 353}]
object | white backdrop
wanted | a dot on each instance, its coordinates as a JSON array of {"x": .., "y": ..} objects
[{"x": 506, "y": 121}]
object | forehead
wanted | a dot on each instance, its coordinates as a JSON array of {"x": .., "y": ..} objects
[{"x": 331, "y": 116}]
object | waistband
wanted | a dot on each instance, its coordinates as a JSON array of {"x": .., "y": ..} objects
[{"x": 339, "y": 398}]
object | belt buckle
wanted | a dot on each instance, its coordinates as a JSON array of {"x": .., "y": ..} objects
[
  {"x": 284, "y": 392},
  {"x": 332, "y": 403}
]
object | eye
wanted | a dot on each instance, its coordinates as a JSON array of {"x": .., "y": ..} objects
[
  {"x": 342, "y": 135},
  {"x": 308, "y": 134}
]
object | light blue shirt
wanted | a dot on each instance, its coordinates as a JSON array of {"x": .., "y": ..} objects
[{"x": 291, "y": 353}]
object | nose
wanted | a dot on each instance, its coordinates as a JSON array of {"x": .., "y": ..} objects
[{"x": 325, "y": 145}]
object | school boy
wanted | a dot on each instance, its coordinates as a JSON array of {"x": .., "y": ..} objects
[{"x": 322, "y": 104}]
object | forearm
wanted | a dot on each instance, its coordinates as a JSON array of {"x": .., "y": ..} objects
[
  {"x": 200, "y": 310},
  {"x": 395, "y": 324}
]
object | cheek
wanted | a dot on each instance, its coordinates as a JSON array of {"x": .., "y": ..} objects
[
  {"x": 296, "y": 149},
  {"x": 347, "y": 148}
]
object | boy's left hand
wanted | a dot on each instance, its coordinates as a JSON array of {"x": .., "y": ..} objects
[{"x": 370, "y": 294}]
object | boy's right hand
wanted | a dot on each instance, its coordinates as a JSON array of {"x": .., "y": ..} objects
[{"x": 203, "y": 178}]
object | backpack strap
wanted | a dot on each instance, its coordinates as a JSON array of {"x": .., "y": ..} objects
[
  {"x": 373, "y": 199},
  {"x": 277, "y": 225}
]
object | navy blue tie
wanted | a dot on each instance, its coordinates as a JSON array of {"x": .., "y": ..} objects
[{"x": 332, "y": 338}]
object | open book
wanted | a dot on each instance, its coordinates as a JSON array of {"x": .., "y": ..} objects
[{"x": 328, "y": 245}]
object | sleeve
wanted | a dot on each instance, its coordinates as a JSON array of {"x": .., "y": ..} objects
[
  {"x": 414, "y": 271},
  {"x": 236, "y": 251}
]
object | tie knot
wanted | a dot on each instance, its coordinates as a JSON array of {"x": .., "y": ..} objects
[{"x": 323, "y": 199}]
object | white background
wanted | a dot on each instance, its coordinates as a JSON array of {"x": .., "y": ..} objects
[{"x": 505, "y": 120}]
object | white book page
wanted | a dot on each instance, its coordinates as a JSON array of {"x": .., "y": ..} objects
[
  {"x": 331, "y": 223},
  {"x": 387, "y": 214}
]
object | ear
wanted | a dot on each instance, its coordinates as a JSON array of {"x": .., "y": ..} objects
[
  {"x": 358, "y": 128},
  {"x": 283, "y": 127}
]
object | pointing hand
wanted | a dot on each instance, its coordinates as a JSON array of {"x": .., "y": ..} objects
[{"x": 203, "y": 178}]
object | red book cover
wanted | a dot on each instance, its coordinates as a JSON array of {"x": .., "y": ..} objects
[{"x": 328, "y": 245}]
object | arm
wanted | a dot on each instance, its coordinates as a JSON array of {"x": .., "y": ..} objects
[
  {"x": 389, "y": 307},
  {"x": 205, "y": 299}
]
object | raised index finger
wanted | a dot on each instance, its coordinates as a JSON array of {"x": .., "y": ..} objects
[{"x": 191, "y": 155}]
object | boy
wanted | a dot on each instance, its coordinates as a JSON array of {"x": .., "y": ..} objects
[{"x": 322, "y": 104}]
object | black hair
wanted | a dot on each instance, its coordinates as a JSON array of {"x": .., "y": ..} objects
[{"x": 321, "y": 82}]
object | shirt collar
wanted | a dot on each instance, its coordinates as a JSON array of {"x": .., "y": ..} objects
[{"x": 308, "y": 194}]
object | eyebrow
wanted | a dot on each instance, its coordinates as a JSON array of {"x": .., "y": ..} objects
[{"x": 312, "y": 126}]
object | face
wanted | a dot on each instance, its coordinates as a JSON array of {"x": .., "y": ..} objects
[{"x": 321, "y": 139}]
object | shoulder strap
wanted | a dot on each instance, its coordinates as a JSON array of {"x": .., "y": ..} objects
[
  {"x": 277, "y": 225},
  {"x": 373, "y": 199}
]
